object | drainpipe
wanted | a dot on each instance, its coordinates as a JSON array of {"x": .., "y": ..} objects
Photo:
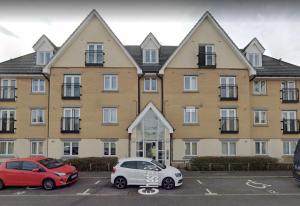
[
  {"x": 129, "y": 142},
  {"x": 48, "y": 129},
  {"x": 162, "y": 92},
  {"x": 139, "y": 93},
  {"x": 171, "y": 148}
]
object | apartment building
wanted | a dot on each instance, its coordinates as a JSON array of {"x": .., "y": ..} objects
[{"x": 93, "y": 96}]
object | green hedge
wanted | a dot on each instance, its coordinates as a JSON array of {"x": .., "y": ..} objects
[
  {"x": 236, "y": 163},
  {"x": 93, "y": 163}
]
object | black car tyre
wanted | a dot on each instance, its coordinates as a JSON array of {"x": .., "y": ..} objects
[
  {"x": 168, "y": 183},
  {"x": 120, "y": 182},
  {"x": 48, "y": 184}
]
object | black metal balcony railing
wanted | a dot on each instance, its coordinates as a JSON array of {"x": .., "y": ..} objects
[
  {"x": 7, "y": 125},
  {"x": 290, "y": 126},
  {"x": 207, "y": 59},
  {"x": 228, "y": 92},
  {"x": 70, "y": 125},
  {"x": 8, "y": 93},
  {"x": 290, "y": 95},
  {"x": 229, "y": 125},
  {"x": 71, "y": 91},
  {"x": 94, "y": 58}
]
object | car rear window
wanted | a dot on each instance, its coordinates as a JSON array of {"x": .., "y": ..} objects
[
  {"x": 129, "y": 164},
  {"x": 13, "y": 165}
]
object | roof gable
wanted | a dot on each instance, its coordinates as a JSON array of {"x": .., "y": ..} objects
[
  {"x": 150, "y": 38},
  {"x": 254, "y": 43},
  {"x": 43, "y": 42}
]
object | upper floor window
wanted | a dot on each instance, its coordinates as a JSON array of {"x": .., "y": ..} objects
[
  {"x": 150, "y": 56},
  {"x": 228, "y": 88},
  {"x": 94, "y": 55},
  {"x": 190, "y": 115},
  {"x": 190, "y": 83},
  {"x": 38, "y": 86},
  {"x": 254, "y": 59},
  {"x": 37, "y": 116},
  {"x": 71, "y": 87},
  {"x": 207, "y": 55},
  {"x": 43, "y": 57},
  {"x": 8, "y": 90},
  {"x": 260, "y": 87},
  {"x": 110, "y": 82},
  {"x": 109, "y": 148},
  {"x": 150, "y": 84},
  {"x": 260, "y": 117},
  {"x": 110, "y": 115}
]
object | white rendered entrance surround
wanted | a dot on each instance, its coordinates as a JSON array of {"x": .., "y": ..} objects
[{"x": 150, "y": 126}]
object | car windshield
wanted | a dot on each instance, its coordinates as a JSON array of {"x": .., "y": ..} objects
[
  {"x": 159, "y": 164},
  {"x": 51, "y": 163}
]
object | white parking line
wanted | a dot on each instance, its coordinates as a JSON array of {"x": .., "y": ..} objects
[
  {"x": 86, "y": 192},
  {"x": 199, "y": 182},
  {"x": 210, "y": 193},
  {"x": 20, "y": 193},
  {"x": 96, "y": 183}
]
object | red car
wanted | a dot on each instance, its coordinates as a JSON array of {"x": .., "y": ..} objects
[{"x": 36, "y": 171}]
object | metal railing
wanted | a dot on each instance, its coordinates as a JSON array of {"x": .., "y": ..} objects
[
  {"x": 290, "y": 126},
  {"x": 94, "y": 58},
  {"x": 7, "y": 125},
  {"x": 228, "y": 92},
  {"x": 70, "y": 125},
  {"x": 207, "y": 59},
  {"x": 8, "y": 93},
  {"x": 289, "y": 95},
  {"x": 229, "y": 125},
  {"x": 71, "y": 91}
]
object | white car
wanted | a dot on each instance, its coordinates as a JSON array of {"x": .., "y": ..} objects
[{"x": 145, "y": 172}]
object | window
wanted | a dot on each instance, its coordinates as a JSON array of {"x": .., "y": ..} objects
[
  {"x": 110, "y": 115},
  {"x": 129, "y": 164},
  {"x": 38, "y": 86},
  {"x": 260, "y": 87},
  {"x": 260, "y": 117},
  {"x": 150, "y": 84},
  {"x": 260, "y": 147},
  {"x": 71, "y": 148},
  {"x": 29, "y": 166},
  {"x": 8, "y": 89},
  {"x": 13, "y": 165},
  {"x": 6, "y": 147},
  {"x": 190, "y": 83},
  {"x": 142, "y": 165},
  {"x": 71, "y": 86},
  {"x": 71, "y": 120},
  {"x": 7, "y": 121},
  {"x": 191, "y": 149},
  {"x": 190, "y": 115},
  {"x": 110, "y": 82},
  {"x": 37, "y": 148},
  {"x": 209, "y": 55},
  {"x": 150, "y": 56},
  {"x": 289, "y": 147},
  {"x": 229, "y": 148},
  {"x": 254, "y": 59},
  {"x": 109, "y": 148},
  {"x": 94, "y": 54},
  {"x": 43, "y": 57},
  {"x": 37, "y": 116}
]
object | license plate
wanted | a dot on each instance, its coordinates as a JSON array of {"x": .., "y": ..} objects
[{"x": 74, "y": 176}]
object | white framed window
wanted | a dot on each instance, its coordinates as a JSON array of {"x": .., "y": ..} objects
[
  {"x": 289, "y": 147},
  {"x": 109, "y": 148},
  {"x": 150, "y": 56},
  {"x": 38, "y": 86},
  {"x": 72, "y": 86},
  {"x": 110, "y": 115},
  {"x": 71, "y": 148},
  {"x": 254, "y": 59},
  {"x": 209, "y": 55},
  {"x": 37, "y": 147},
  {"x": 191, "y": 148},
  {"x": 37, "y": 116},
  {"x": 190, "y": 115},
  {"x": 43, "y": 57},
  {"x": 8, "y": 88},
  {"x": 150, "y": 84},
  {"x": 7, "y": 147},
  {"x": 7, "y": 120},
  {"x": 260, "y": 147},
  {"x": 110, "y": 82},
  {"x": 260, "y": 117},
  {"x": 228, "y": 148},
  {"x": 94, "y": 53},
  {"x": 260, "y": 87},
  {"x": 190, "y": 83}
]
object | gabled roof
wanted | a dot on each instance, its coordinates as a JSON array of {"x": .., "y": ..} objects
[
  {"x": 78, "y": 30},
  {"x": 255, "y": 41},
  {"x": 41, "y": 39},
  {"x": 150, "y": 37},
  {"x": 150, "y": 106},
  {"x": 207, "y": 15}
]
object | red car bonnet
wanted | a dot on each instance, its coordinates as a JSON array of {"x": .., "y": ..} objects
[{"x": 64, "y": 169}]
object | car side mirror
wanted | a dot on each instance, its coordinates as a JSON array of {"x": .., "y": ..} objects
[{"x": 36, "y": 170}]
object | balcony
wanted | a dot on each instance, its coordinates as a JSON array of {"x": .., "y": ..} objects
[
  {"x": 229, "y": 125},
  {"x": 94, "y": 58},
  {"x": 228, "y": 92},
  {"x": 8, "y": 93},
  {"x": 71, "y": 91},
  {"x": 290, "y": 95},
  {"x": 70, "y": 125},
  {"x": 290, "y": 126},
  {"x": 206, "y": 60},
  {"x": 7, "y": 125}
]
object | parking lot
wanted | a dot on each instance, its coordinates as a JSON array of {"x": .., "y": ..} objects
[{"x": 276, "y": 188}]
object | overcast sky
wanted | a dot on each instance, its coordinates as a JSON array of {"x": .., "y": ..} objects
[{"x": 275, "y": 24}]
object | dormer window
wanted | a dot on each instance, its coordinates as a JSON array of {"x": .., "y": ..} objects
[
  {"x": 43, "y": 57},
  {"x": 150, "y": 56},
  {"x": 254, "y": 52},
  {"x": 150, "y": 47},
  {"x": 254, "y": 59},
  {"x": 94, "y": 55}
]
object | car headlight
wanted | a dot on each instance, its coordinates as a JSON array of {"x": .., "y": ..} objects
[
  {"x": 60, "y": 174},
  {"x": 177, "y": 174}
]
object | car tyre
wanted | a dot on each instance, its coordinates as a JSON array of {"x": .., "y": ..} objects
[
  {"x": 120, "y": 183},
  {"x": 168, "y": 183},
  {"x": 48, "y": 184},
  {"x": 1, "y": 185}
]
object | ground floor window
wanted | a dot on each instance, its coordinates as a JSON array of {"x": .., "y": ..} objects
[
  {"x": 109, "y": 148},
  {"x": 191, "y": 149},
  {"x": 6, "y": 147},
  {"x": 289, "y": 147},
  {"x": 228, "y": 148},
  {"x": 37, "y": 147},
  {"x": 260, "y": 147},
  {"x": 71, "y": 148}
]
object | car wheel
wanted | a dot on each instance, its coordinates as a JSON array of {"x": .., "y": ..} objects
[
  {"x": 48, "y": 184},
  {"x": 120, "y": 183},
  {"x": 168, "y": 183},
  {"x": 1, "y": 185}
]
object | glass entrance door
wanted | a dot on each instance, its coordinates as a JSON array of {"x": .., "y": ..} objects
[{"x": 151, "y": 150}]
